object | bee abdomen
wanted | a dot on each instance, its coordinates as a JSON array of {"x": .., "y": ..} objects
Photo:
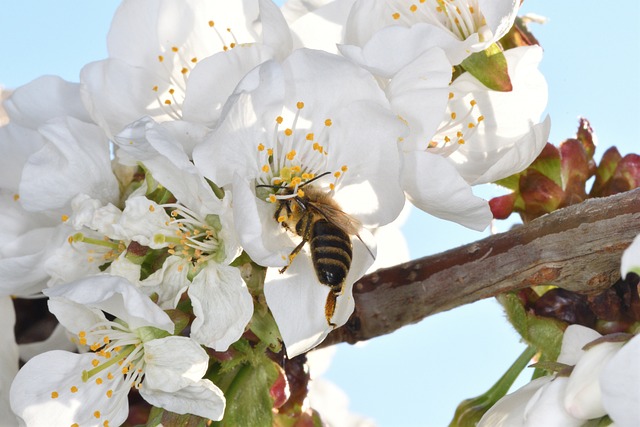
[{"x": 331, "y": 252}]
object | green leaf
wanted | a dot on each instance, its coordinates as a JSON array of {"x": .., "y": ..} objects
[{"x": 490, "y": 67}]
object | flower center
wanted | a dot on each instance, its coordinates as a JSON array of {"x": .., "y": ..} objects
[
  {"x": 460, "y": 17},
  {"x": 118, "y": 364},
  {"x": 460, "y": 124},
  {"x": 294, "y": 156},
  {"x": 196, "y": 239}
]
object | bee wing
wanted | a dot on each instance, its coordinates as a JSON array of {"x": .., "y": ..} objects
[{"x": 337, "y": 217}]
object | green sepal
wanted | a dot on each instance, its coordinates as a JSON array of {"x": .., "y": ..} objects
[
  {"x": 264, "y": 326},
  {"x": 159, "y": 416},
  {"x": 490, "y": 68},
  {"x": 249, "y": 402},
  {"x": 543, "y": 333}
]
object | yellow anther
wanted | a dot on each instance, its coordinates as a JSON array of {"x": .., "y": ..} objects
[
  {"x": 413, "y": 8},
  {"x": 396, "y": 15},
  {"x": 232, "y": 45},
  {"x": 16, "y": 197},
  {"x": 471, "y": 125},
  {"x": 344, "y": 168},
  {"x": 96, "y": 414},
  {"x": 75, "y": 425},
  {"x": 174, "y": 49},
  {"x": 300, "y": 193},
  {"x": 328, "y": 122},
  {"x": 260, "y": 147},
  {"x": 105, "y": 424},
  {"x": 461, "y": 141},
  {"x": 309, "y": 136},
  {"x": 152, "y": 208},
  {"x": 265, "y": 168},
  {"x": 447, "y": 139},
  {"x": 300, "y": 105},
  {"x": 480, "y": 118},
  {"x": 270, "y": 151},
  {"x": 296, "y": 168},
  {"x": 184, "y": 70},
  {"x": 279, "y": 120},
  {"x": 453, "y": 115},
  {"x": 155, "y": 88},
  {"x": 211, "y": 23},
  {"x": 172, "y": 91},
  {"x": 471, "y": 9},
  {"x": 95, "y": 362},
  {"x": 160, "y": 58},
  {"x": 439, "y": 9},
  {"x": 337, "y": 174},
  {"x": 332, "y": 186},
  {"x": 450, "y": 95},
  {"x": 82, "y": 334},
  {"x": 109, "y": 393},
  {"x": 54, "y": 395},
  {"x": 282, "y": 218},
  {"x": 167, "y": 102},
  {"x": 110, "y": 376},
  {"x": 473, "y": 102},
  {"x": 98, "y": 381},
  {"x": 291, "y": 155},
  {"x": 74, "y": 389},
  {"x": 272, "y": 198},
  {"x": 306, "y": 176},
  {"x": 194, "y": 59},
  {"x": 432, "y": 144},
  {"x": 82, "y": 341},
  {"x": 288, "y": 132}
]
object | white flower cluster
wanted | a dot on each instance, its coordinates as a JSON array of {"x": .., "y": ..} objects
[
  {"x": 135, "y": 190},
  {"x": 600, "y": 379}
]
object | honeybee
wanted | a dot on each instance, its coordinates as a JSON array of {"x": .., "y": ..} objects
[{"x": 312, "y": 214}]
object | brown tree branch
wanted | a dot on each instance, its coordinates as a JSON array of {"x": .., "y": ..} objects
[{"x": 577, "y": 248}]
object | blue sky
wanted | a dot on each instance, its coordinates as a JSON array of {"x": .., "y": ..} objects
[{"x": 417, "y": 375}]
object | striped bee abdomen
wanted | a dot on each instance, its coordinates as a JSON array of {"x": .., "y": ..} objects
[{"x": 331, "y": 253}]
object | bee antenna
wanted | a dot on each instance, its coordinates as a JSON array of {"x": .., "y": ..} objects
[
  {"x": 275, "y": 187},
  {"x": 314, "y": 179}
]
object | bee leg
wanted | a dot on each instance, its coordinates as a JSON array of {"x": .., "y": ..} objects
[
  {"x": 330, "y": 307},
  {"x": 292, "y": 255}
]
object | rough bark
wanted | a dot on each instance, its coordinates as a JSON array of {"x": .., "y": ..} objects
[{"x": 577, "y": 248}]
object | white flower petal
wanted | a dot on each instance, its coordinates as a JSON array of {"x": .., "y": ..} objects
[
  {"x": 8, "y": 358},
  {"x": 41, "y": 394},
  {"x": 509, "y": 411},
  {"x": 202, "y": 398},
  {"x": 43, "y": 99},
  {"x": 111, "y": 294},
  {"x": 173, "y": 363},
  {"x": 432, "y": 184},
  {"x": 620, "y": 385},
  {"x": 222, "y": 306},
  {"x": 546, "y": 407},
  {"x": 297, "y": 299},
  {"x": 574, "y": 339},
  {"x": 630, "y": 262},
  {"x": 75, "y": 160},
  {"x": 583, "y": 397}
]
